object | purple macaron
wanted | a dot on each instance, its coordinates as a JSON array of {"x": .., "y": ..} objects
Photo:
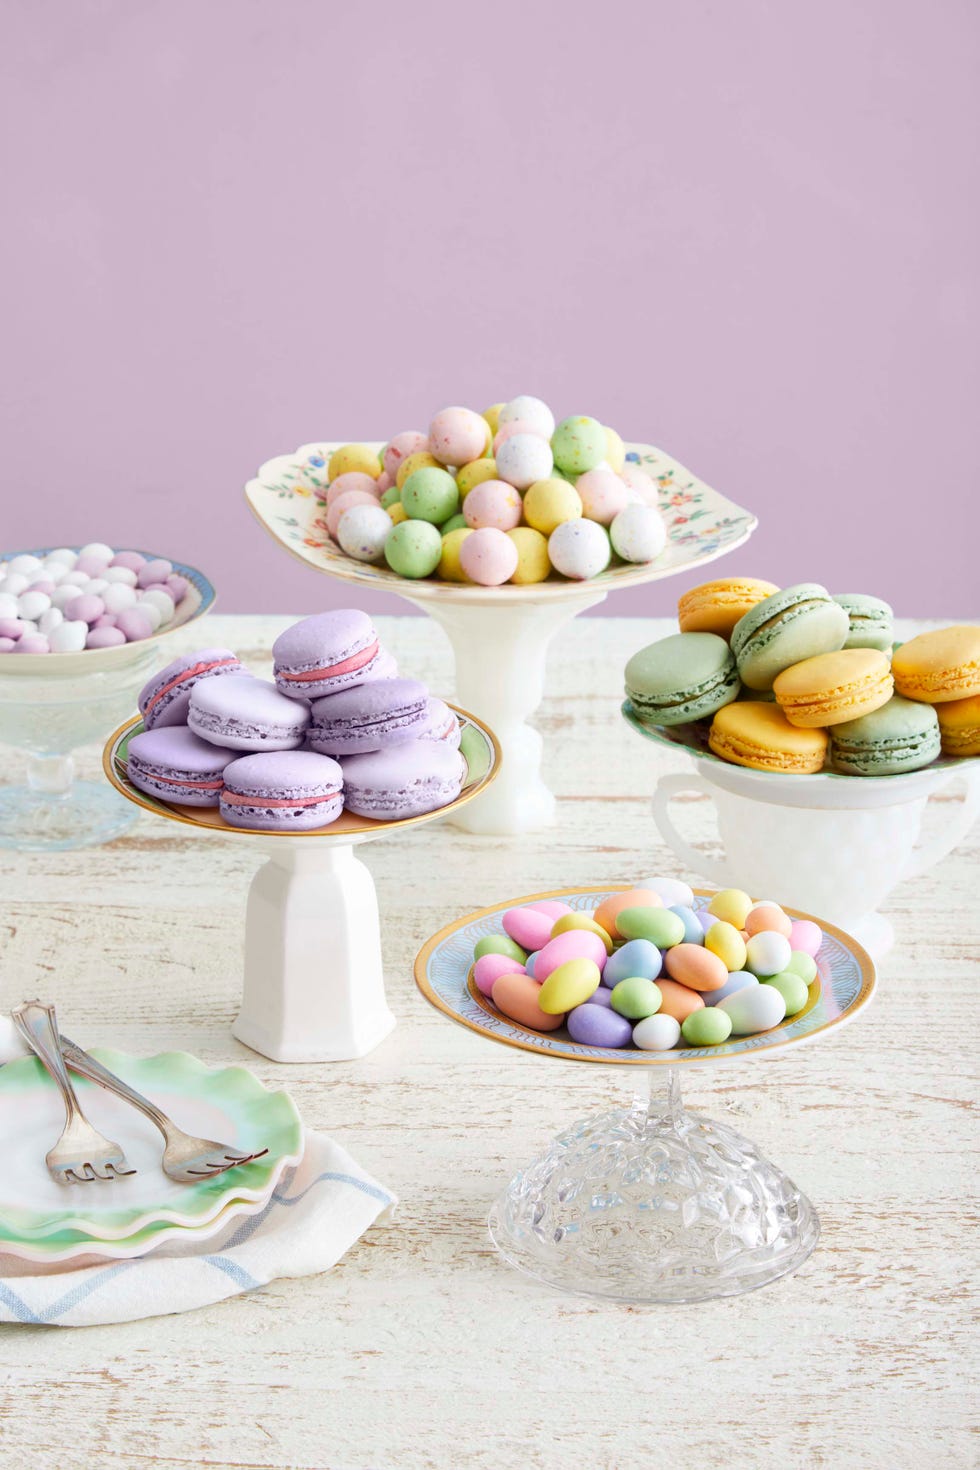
[
  {"x": 414, "y": 777},
  {"x": 330, "y": 651},
  {"x": 173, "y": 764},
  {"x": 282, "y": 791},
  {"x": 243, "y": 713},
  {"x": 441, "y": 724},
  {"x": 166, "y": 698},
  {"x": 369, "y": 717}
]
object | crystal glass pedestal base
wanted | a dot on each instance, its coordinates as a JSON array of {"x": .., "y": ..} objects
[
  {"x": 653, "y": 1203},
  {"x": 54, "y": 813}
]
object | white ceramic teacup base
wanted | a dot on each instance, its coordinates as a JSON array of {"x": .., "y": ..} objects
[
  {"x": 314, "y": 981},
  {"x": 835, "y": 848}
]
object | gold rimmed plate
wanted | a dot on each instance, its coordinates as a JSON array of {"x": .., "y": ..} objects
[
  {"x": 478, "y": 746},
  {"x": 844, "y": 984}
]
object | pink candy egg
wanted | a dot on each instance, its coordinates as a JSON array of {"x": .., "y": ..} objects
[
  {"x": 805, "y": 935},
  {"x": 493, "y": 503},
  {"x": 528, "y": 927},
  {"x": 32, "y": 643},
  {"x": 488, "y": 556},
  {"x": 574, "y": 944},
  {"x": 553, "y": 907},
  {"x": 382, "y": 483},
  {"x": 134, "y": 624},
  {"x": 457, "y": 435},
  {"x": 345, "y": 502},
  {"x": 13, "y": 628},
  {"x": 43, "y": 586},
  {"x": 104, "y": 638},
  {"x": 639, "y": 483},
  {"x": 132, "y": 560},
  {"x": 352, "y": 480},
  {"x": 490, "y": 967},
  {"x": 413, "y": 441},
  {"x": 90, "y": 565},
  {"x": 7, "y": 645},
  {"x": 151, "y": 572},
  {"x": 177, "y": 586},
  {"x": 85, "y": 608},
  {"x": 603, "y": 495},
  {"x": 516, "y": 426},
  {"x": 107, "y": 620}
]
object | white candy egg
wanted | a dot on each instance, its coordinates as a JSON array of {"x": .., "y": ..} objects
[
  {"x": 97, "y": 586},
  {"x": 672, "y": 891},
  {"x": 63, "y": 594},
  {"x": 49, "y": 620},
  {"x": 638, "y": 533},
  {"x": 99, "y": 551},
  {"x": 53, "y": 571},
  {"x": 15, "y": 583},
  {"x": 26, "y": 564},
  {"x": 31, "y": 605},
  {"x": 362, "y": 532},
  {"x": 68, "y": 637},
  {"x": 656, "y": 1033},
  {"x": 767, "y": 953},
  {"x": 123, "y": 575},
  {"x": 162, "y": 601},
  {"x": 8, "y": 605},
  {"x": 756, "y": 1008},
  {"x": 579, "y": 549},
  {"x": 65, "y": 555},
  {"x": 531, "y": 411},
  {"x": 152, "y": 612},
  {"x": 75, "y": 579},
  {"x": 118, "y": 596},
  {"x": 522, "y": 459}
]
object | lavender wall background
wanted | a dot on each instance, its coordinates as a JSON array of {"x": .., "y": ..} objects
[{"x": 747, "y": 232}]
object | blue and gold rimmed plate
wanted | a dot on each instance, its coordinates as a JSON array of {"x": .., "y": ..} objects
[
  {"x": 286, "y": 497},
  {"x": 44, "y": 1221},
  {"x": 443, "y": 972}
]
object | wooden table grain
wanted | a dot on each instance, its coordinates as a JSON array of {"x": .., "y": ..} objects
[{"x": 421, "y": 1348}]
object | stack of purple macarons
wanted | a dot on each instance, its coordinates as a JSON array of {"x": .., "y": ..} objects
[{"x": 337, "y": 729}]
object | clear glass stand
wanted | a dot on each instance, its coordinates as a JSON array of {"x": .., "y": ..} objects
[{"x": 652, "y": 1203}]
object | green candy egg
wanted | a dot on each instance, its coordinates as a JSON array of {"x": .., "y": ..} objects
[
  {"x": 578, "y": 444},
  {"x": 413, "y": 548},
  {"x": 391, "y": 496},
  {"x": 660, "y": 926},
  {"x": 802, "y": 964},
  {"x": 792, "y": 988},
  {"x": 455, "y": 523},
  {"x": 569, "y": 985},
  {"x": 499, "y": 944},
  {"x": 430, "y": 495},
  {"x": 635, "y": 998},
  {"x": 706, "y": 1027}
]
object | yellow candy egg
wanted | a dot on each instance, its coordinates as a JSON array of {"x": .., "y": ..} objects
[
  {"x": 570, "y": 984},
  {"x": 725, "y": 941},
  {"x": 582, "y": 921},
  {"x": 354, "y": 457},
  {"x": 549, "y": 503},
  {"x": 732, "y": 905},
  {"x": 492, "y": 416},
  {"x": 398, "y": 513},
  {"x": 415, "y": 462},
  {"x": 450, "y": 569},
  {"x": 533, "y": 564},
  {"x": 473, "y": 474},
  {"x": 615, "y": 451}
]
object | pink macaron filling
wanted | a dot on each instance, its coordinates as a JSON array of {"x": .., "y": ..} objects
[
  {"x": 235, "y": 798},
  {"x": 347, "y": 666},
  {"x": 191, "y": 673}
]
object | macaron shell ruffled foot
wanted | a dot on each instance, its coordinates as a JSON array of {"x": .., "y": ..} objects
[
  {"x": 243, "y": 713},
  {"x": 173, "y": 764},
  {"x": 283, "y": 791},
  {"x": 409, "y": 780}
]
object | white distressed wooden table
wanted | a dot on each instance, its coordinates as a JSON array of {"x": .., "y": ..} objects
[{"x": 422, "y": 1349}]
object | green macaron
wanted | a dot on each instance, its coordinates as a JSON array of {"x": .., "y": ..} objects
[
  {"x": 870, "y": 620},
  {"x": 685, "y": 677},
  {"x": 902, "y": 735},
  {"x": 796, "y": 623}
]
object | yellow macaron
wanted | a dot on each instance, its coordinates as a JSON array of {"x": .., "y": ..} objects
[
  {"x": 939, "y": 666},
  {"x": 959, "y": 725},
  {"x": 760, "y": 736},
  {"x": 833, "y": 687},
  {"x": 715, "y": 607}
]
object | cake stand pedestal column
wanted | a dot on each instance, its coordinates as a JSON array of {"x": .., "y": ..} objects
[
  {"x": 314, "y": 981},
  {"x": 500, "y": 653}
]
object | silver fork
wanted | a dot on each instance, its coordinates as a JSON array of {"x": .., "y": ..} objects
[
  {"x": 81, "y": 1150},
  {"x": 185, "y": 1159}
]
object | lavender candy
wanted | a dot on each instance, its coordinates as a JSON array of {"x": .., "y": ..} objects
[{"x": 595, "y": 1025}]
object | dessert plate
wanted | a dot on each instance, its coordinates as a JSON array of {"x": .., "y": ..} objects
[
  {"x": 46, "y": 1221},
  {"x": 701, "y": 525},
  {"x": 477, "y": 745},
  {"x": 199, "y": 599},
  {"x": 844, "y": 983}
]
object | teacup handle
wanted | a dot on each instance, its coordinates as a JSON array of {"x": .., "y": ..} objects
[
  {"x": 942, "y": 842},
  {"x": 667, "y": 788}
]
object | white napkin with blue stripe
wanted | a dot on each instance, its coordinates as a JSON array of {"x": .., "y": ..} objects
[{"x": 315, "y": 1214}]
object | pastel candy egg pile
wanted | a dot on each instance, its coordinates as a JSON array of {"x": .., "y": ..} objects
[
  {"x": 522, "y": 498},
  {"x": 650, "y": 969},
  {"x": 64, "y": 601}
]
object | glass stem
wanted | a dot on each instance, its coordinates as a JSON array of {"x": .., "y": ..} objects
[
  {"x": 50, "y": 775},
  {"x": 666, "y": 1104}
]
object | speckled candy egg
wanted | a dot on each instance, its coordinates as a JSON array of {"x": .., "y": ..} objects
[
  {"x": 635, "y": 478},
  {"x": 494, "y": 503},
  {"x": 412, "y": 441},
  {"x": 638, "y": 533},
  {"x": 507, "y": 431},
  {"x": 579, "y": 550},
  {"x": 488, "y": 557},
  {"x": 550, "y": 503},
  {"x": 473, "y": 474},
  {"x": 533, "y": 562},
  {"x": 430, "y": 495},
  {"x": 353, "y": 480},
  {"x": 615, "y": 455},
  {"x": 363, "y": 531},
  {"x": 413, "y": 548},
  {"x": 531, "y": 411},
  {"x": 523, "y": 459},
  {"x": 344, "y": 503},
  {"x": 354, "y": 457},
  {"x": 579, "y": 445},
  {"x": 603, "y": 495},
  {"x": 450, "y": 566},
  {"x": 457, "y": 435}
]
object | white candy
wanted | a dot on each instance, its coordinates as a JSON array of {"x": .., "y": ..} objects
[
  {"x": 524, "y": 458},
  {"x": 530, "y": 411},
  {"x": 76, "y": 579},
  {"x": 63, "y": 554},
  {"x": 118, "y": 597},
  {"x": 8, "y": 605},
  {"x": 69, "y": 637},
  {"x": 25, "y": 563},
  {"x": 31, "y": 605},
  {"x": 49, "y": 620},
  {"x": 579, "y": 549},
  {"x": 672, "y": 891},
  {"x": 656, "y": 1033},
  {"x": 97, "y": 586},
  {"x": 638, "y": 533},
  {"x": 755, "y": 1008},
  {"x": 54, "y": 571},
  {"x": 63, "y": 594},
  {"x": 152, "y": 612},
  {"x": 162, "y": 601},
  {"x": 122, "y": 575},
  {"x": 99, "y": 550},
  {"x": 362, "y": 532},
  {"x": 15, "y": 583}
]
